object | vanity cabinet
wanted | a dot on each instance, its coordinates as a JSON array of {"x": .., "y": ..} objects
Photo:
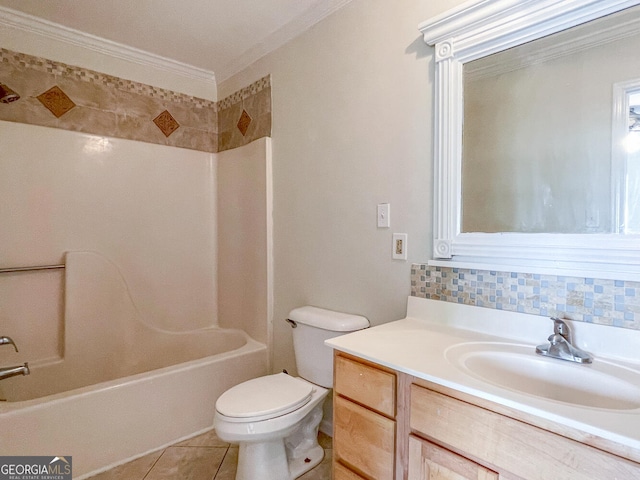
[
  {"x": 390, "y": 425},
  {"x": 364, "y": 420},
  {"x": 510, "y": 447}
]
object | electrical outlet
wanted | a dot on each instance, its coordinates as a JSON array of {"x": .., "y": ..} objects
[
  {"x": 384, "y": 212},
  {"x": 399, "y": 246}
]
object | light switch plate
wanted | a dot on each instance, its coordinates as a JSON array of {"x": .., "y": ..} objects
[{"x": 384, "y": 212}]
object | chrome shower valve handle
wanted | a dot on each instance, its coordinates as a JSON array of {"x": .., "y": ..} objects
[{"x": 8, "y": 341}]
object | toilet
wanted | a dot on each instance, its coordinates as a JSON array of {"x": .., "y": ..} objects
[{"x": 275, "y": 418}]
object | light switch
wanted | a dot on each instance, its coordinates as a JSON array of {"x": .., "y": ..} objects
[{"x": 384, "y": 211}]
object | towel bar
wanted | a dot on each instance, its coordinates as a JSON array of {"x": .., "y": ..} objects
[{"x": 27, "y": 269}]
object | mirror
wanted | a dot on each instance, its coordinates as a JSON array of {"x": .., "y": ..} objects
[
  {"x": 531, "y": 182},
  {"x": 537, "y": 132}
]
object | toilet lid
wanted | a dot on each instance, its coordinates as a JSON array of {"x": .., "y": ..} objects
[{"x": 265, "y": 397}]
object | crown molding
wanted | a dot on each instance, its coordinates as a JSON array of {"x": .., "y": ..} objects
[
  {"x": 562, "y": 44},
  {"x": 280, "y": 37},
  {"x": 28, "y": 23}
]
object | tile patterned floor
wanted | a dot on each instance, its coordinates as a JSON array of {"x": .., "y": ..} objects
[{"x": 204, "y": 457}]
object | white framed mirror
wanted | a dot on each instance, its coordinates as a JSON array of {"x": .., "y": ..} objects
[{"x": 591, "y": 235}]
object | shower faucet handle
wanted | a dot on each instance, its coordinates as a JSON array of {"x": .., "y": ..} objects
[{"x": 8, "y": 341}]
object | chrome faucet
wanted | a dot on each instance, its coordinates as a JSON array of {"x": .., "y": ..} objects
[
  {"x": 7, "y": 372},
  {"x": 560, "y": 345},
  {"x": 8, "y": 341}
]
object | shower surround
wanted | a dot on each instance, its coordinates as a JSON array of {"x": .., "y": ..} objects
[
  {"x": 133, "y": 320},
  {"x": 159, "y": 204}
]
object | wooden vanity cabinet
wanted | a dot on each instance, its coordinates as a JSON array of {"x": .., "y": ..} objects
[
  {"x": 389, "y": 425},
  {"x": 364, "y": 426},
  {"x": 494, "y": 446}
]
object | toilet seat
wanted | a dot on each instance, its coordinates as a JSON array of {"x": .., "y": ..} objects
[{"x": 264, "y": 398}]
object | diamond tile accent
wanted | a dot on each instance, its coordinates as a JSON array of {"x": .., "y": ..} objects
[
  {"x": 243, "y": 123},
  {"x": 56, "y": 101},
  {"x": 166, "y": 123}
]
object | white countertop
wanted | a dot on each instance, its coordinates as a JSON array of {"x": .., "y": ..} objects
[{"x": 418, "y": 345}]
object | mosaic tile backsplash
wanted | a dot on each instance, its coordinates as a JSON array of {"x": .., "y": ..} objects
[
  {"x": 605, "y": 302},
  {"x": 53, "y": 94}
]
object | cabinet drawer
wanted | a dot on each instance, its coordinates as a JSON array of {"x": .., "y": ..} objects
[
  {"x": 510, "y": 445},
  {"x": 363, "y": 440},
  {"x": 366, "y": 385}
]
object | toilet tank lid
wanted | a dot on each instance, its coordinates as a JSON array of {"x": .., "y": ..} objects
[{"x": 328, "y": 319}]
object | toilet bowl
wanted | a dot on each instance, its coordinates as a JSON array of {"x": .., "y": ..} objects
[
  {"x": 278, "y": 441},
  {"x": 274, "y": 419}
]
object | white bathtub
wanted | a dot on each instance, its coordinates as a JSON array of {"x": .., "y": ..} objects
[
  {"x": 119, "y": 387},
  {"x": 113, "y": 422}
]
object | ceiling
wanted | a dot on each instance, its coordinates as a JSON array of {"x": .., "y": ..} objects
[{"x": 220, "y": 37}]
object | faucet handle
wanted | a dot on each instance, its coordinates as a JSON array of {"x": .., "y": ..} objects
[
  {"x": 8, "y": 341},
  {"x": 561, "y": 328}
]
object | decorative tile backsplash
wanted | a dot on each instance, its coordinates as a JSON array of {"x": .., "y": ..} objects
[
  {"x": 57, "y": 95},
  {"x": 606, "y": 302},
  {"x": 245, "y": 115}
]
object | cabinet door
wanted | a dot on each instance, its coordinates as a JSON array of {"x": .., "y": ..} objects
[
  {"x": 340, "y": 472},
  {"x": 431, "y": 462}
]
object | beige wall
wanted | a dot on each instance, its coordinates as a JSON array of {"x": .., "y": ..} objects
[{"x": 352, "y": 127}]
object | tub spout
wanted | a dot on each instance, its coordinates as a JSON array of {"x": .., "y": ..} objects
[
  {"x": 8, "y": 341},
  {"x": 7, "y": 372}
]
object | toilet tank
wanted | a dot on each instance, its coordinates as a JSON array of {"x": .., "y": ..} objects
[{"x": 313, "y": 326}]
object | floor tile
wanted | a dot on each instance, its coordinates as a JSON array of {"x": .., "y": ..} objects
[
  {"x": 204, "y": 457},
  {"x": 134, "y": 470},
  {"x": 325, "y": 441},
  {"x": 229, "y": 465},
  {"x": 208, "y": 439},
  {"x": 192, "y": 463}
]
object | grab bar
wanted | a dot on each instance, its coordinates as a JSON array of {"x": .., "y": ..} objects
[{"x": 28, "y": 269}]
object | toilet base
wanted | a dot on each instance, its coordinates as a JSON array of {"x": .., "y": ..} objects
[
  {"x": 283, "y": 458},
  {"x": 262, "y": 460},
  {"x": 300, "y": 466},
  {"x": 269, "y": 461}
]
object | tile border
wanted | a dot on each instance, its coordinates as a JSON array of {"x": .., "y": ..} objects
[{"x": 120, "y": 108}]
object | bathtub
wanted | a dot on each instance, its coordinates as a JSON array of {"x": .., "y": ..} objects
[
  {"x": 119, "y": 388},
  {"x": 110, "y": 423}
]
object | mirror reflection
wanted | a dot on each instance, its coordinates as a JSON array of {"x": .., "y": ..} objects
[{"x": 543, "y": 150}]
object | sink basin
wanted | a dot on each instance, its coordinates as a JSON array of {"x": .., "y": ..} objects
[{"x": 601, "y": 384}]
